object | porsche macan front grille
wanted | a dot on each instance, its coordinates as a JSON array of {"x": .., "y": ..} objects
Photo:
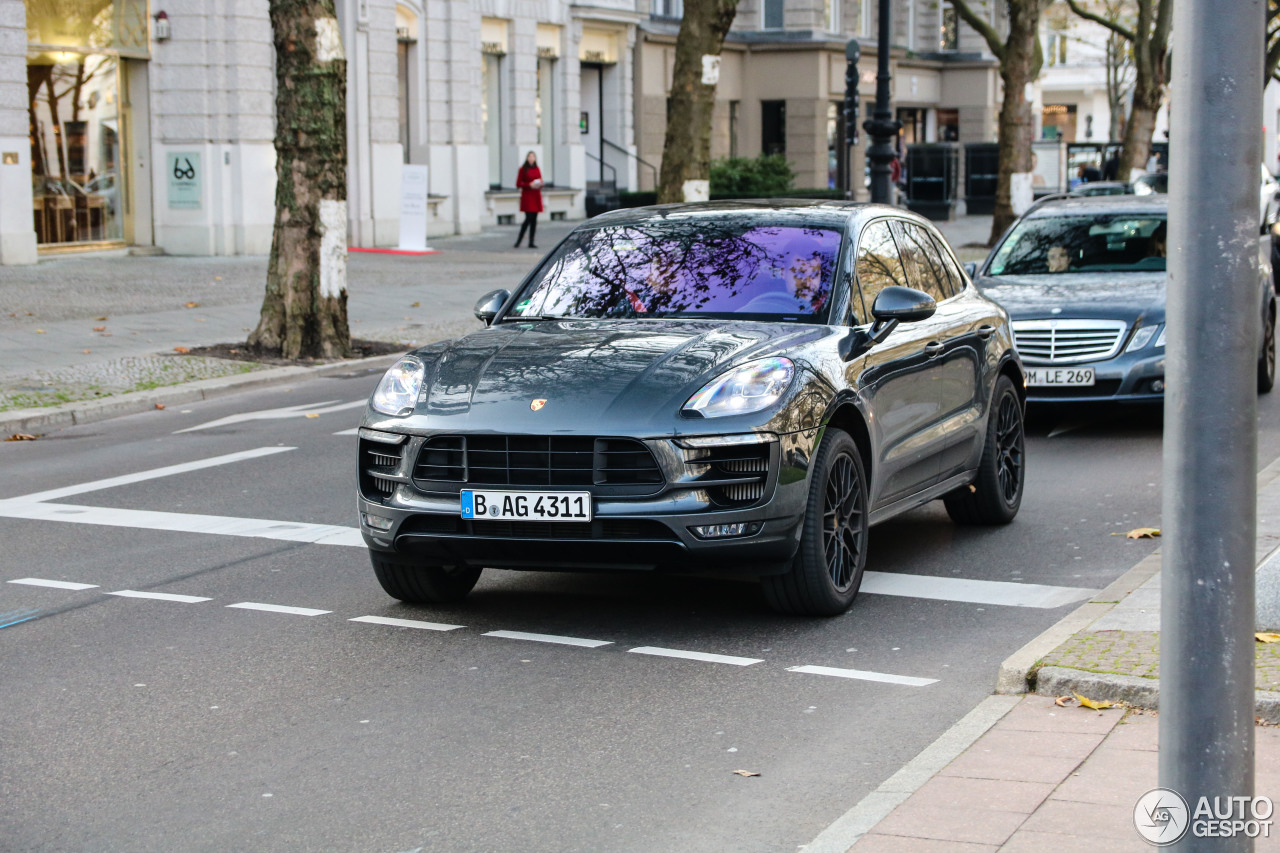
[
  {"x": 734, "y": 475},
  {"x": 536, "y": 460},
  {"x": 379, "y": 461}
]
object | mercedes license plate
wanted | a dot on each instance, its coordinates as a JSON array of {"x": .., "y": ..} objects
[
  {"x": 527, "y": 506},
  {"x": 1041, "y": 376}
]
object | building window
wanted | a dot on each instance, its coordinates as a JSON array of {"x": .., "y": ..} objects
[
  {"x": 771, "y": 14},
  {"x": 667, "y": 9},
  {"x": 949, "y": 29},
  {"x": 735, "y": 112},
  {"x": 836, "y": 145},
  {"x": 491, "y": 115},
  {"x": 832, "y": 15},
  {"x": 545, "y": 116},
  {"x": 402, "y": 90},
  {"x": 948, "y": 125},
  {"x": 911, "y": 26},
  {"x": 773, "y": 127},
  {"x": 1056, "y": 49}
]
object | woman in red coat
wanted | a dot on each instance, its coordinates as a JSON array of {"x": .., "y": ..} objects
[{"x": 529, "y": 181}]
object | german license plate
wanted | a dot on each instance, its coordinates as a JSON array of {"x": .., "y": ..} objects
[
  {"x": 527, "y": 506},
  {"x": 1042, "y": 376}
]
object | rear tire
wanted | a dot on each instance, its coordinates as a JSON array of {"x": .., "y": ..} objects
[
  {"x": 996, "y": 493},
  {"x": 825, "y": 575},
  {"x": 418, "y": 583},
  {"x": 1267, "y": 359}
]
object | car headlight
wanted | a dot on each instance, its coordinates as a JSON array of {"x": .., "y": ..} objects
[
  {"x": 747, "y": 388},
  {"x": 398, "y": 391},
  {"x": 1160, "y": 340},
  {"x": 1141, "y": 338}
]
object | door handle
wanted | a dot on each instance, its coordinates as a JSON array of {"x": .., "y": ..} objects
[
  {"x": 933, "y": 349},
  {"x": 985, "y": 332}
]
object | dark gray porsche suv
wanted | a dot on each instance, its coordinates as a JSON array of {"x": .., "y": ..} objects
[{"x": 733, "y": 387}]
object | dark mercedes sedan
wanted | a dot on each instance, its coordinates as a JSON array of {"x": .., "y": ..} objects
[
  {"x": 734, "y": 387},
  {"x": 1084, "y": 281}
]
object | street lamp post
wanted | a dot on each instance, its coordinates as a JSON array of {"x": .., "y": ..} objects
[{"x": 882, "y": 127}]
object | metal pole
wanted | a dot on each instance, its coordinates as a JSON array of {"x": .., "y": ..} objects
[
  {"x": 1207, "y": 604},
  {"x": 881, "y": 126}
]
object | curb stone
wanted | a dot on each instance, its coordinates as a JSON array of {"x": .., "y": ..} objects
[
  {"x": 1131, "y": 690},
  {"x": 75, "y": 414}
]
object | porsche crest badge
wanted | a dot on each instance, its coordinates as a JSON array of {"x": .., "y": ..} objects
[{"x": 537, "y": 404}]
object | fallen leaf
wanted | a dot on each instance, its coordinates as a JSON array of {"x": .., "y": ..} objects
[
  {"x": 183, "y": 350},
  {"x": 193, "y": 304},
  {"x": 416, "y": 305},
  {"x": 217, "y": 278},
  {"x": 234, "y": 351},
  {"x": 1086, "y": 702},
  {"x": 745, "y": 773},
  {"x": 107, "y": 335},
  {"x": 1063, "y": 701},
  {"x": 29, "y": 314},
  {"x": 85, "y": 351},
  {"x": 1267, "y": 637},
  {"x": 1141, "y": 533},
  {"x": 21, "y": 436},
  {"x": 39, "y": 331},
  {"x": 312, "y": 415},
  {"x": 99, "y": 328},
  {"x": 100, "y": 319},
  {"x": 159, "y": 405}
]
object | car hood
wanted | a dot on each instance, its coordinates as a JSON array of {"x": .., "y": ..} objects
[
  {"x": 599, "y": 376},
  {"x": 1119, "y": 296}
]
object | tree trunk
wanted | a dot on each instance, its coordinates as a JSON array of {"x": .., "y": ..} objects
[
  {"x": 1019, "y": 66},
  {"x": 304, "y": 310},
  {"x": 686, "y": 152},
  {"x": 1137, "y": 133}
]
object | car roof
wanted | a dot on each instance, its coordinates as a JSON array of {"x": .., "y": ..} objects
[
  {"x": 805, "y": 211},
  {"x": 1155, "y": 203}
]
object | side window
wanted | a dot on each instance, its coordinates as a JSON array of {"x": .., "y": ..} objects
[
  {"x": 949, "y": 267},
  {"x": 919, "y": 259},
  {"x": 877, "y": 265}
]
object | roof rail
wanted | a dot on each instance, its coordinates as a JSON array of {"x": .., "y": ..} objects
[{"x": 1048, "y": 198}]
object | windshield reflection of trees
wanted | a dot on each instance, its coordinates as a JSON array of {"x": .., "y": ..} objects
[
  {"x": 715, "y": 268},
  {"x": 1083, "y": 244}
]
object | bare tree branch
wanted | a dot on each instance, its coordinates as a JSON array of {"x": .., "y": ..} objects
[
  {"x": 980, "y": 26},
  {"x": 1114, "y": 26}
]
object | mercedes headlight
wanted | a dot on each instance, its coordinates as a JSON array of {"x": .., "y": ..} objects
[
  {"x": 397, "y": 393},
  {"x": 747, "y": 388}
]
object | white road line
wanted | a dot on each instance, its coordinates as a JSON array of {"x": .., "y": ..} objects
[
  {"x": 863, "y": 675},
  {"x": 279, "y": 608},
  {"x": 276, "y": 414},
  {"x": 168, "y": 470},
  {"x": 702, "y": 656},
  {"x": 973, "y": 591},
  {"x": 160, "y": 596},
  {"x": 550, "y": 638},
  {"x": 54, "y": 584},
  {"x": 220, "y": 525},
  {"x": 405, "y": 623},
  {"x": 353, "y": 431}
]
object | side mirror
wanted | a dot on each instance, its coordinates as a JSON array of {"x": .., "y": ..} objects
[
  {"x": 896, "y": 305},
  {"x": 490, "y": 304},
  {"x": 970, "y": 268}
]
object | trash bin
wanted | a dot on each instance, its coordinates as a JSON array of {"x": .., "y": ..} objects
[
  {"x": 931, "y": 179},
  {"x": 981, "y": 169}
]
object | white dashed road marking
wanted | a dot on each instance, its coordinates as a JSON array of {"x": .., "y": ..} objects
[
  {"x": 160, "y": 596},
  {"x": 405, "y": 623},
  {"x": 863, "y": 675},
  {"x": 279, "y": 608},
  {"x": 277, "y": 414},
  {"x": 550, "y": 638},
  {"x": 54, "y": 584},
  {"x": 702, "y": 656},
  {"x": 141, "y": 476},
  {"x": 973, "y": 591}
]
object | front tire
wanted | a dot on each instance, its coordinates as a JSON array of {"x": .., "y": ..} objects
[
  {"x": 418, "y": 583},
  {"x": 996, "y": 494},
  {"x": 1267, "y": 359},
  {"x": 825, "y": 575}
]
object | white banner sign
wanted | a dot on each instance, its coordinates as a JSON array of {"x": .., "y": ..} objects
[{"x": 413, "y": 208}]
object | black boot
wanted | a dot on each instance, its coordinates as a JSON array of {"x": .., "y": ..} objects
[
  {"x": 523, "y": 225},
  {"x": 533, "y": 227}
]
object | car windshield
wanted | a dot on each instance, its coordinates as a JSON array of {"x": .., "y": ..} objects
[
  {"x": 1068, "y": 244},
  {"x": 722, "y": 267}
]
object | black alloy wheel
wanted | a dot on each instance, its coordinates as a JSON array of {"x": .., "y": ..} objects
[
  {"x": 996, "y": 493},
  {"x": 1267, "y": 359},
  {"x": 824, "y": 577}
]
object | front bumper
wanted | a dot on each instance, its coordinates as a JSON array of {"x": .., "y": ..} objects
[
  {"x": 1127, "y": 378},
  {"x": 629, "y": 532}
]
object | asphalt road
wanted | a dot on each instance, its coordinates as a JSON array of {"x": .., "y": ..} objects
[{"x": 143, "y": 723}]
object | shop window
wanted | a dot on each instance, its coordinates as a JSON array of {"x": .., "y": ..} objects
[
  {"x": 773, "y": 127},
  {"x": 948, "y": 125},
  {"x": 76, "y": 169},
  {"x": 771, "y": 14}
]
